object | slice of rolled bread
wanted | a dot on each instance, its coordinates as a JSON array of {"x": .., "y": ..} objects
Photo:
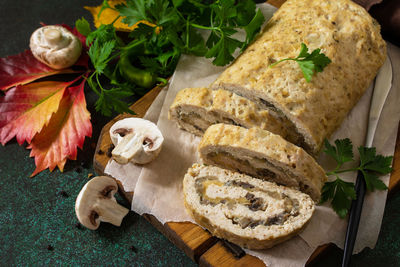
[
  {"x": 263, "y": 155},
  {"x": 344, "y": 31},
  {"x": 195, "y": 109},
  {"x": 249, "y": 212}
]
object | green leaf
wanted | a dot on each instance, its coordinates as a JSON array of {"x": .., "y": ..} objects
[
  {"x": 110, "y": 100},
  {"x": 341, "y": 194},
  {"x": 309, "y": 63},
  {"x": 319, "y": 59},
  {"x": 105, "y": 33},
  {"x": 371, "y": 161},
  {"x": 303, "y": 51},
  {"x": 162, "y": 12},
  {"x": 223, "y": 50},
  {"x": 99, "y": 55},
  {"x": 307, "y": 67},
  {"x": 343, "y": 152},
  {"x": 83, "y": 26},
  {"x": 177, "y": 3},
  {"x": 245, "y": 12},
  {"x": 133, "y": 11},
  {"x": 254, "y": 26}
]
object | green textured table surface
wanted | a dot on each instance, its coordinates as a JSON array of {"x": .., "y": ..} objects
[{"x": 37, "y": 219}]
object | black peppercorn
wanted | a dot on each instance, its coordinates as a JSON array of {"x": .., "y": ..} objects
[{"x": 63, "y": 193}]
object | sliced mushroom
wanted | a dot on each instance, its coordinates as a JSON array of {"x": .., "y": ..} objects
[
  {"x": 55, "y": 46},
  {"x": 136, "y": 140},
  {"x": 96, "y": 203}
]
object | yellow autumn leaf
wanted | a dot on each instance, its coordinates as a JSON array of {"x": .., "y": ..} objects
[{"x": 108, "y": 15}]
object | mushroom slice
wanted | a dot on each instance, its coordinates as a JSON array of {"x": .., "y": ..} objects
[
  {"x": 136, "y": 140},
  {"x": 55, "y": 46},
  {"x": 96, "y": 203}
]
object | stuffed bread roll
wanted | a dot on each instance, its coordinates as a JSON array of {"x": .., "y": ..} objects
[
  {"x": 344, "y": 31},
  {"x": 246, "y": 211},
  {"x": 263, "y": 155},
  {"x": 195, "y": 109}
]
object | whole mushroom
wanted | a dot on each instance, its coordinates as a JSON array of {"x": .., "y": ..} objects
[
  {"x": 96, "y": 203},
  {"x": 55, "y": 46},
  {"x": 136, "y": 140}
]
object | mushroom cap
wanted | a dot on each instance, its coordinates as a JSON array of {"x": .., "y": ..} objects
[
  {"x": 147, "y": 132},
  {"x": 55, "y": 46},
  {"x": 96, "y": 203}
]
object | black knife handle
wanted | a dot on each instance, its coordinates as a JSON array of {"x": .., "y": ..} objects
[{"x": 354, "y": 219}]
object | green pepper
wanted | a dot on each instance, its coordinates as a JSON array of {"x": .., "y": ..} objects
[{"x": 142, "y": 78}]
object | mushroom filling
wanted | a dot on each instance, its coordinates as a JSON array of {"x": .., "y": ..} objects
[
  {"x": 258, "y": 167},
  {"x": 201, "y": 123},
  {"x": 296, "y": 137},
  {"x": 248, "y": 199}
]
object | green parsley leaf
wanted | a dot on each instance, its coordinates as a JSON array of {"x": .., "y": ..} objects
[
  {"x": 307, "y": 67},
  {"x": 105, "y": 33},
  {"x": 372, "y": 162},
  {"x": 309, "y": 63},
  {"x": 253, "y": 27},
  {"x": 245, "y": 12},
  {"x": 341, "y": 193},
  {"x": 343, "y": 153},
  {"x": 133, "y": 11},
  {"x": 111, "y": 100},
  {"x": 223, "y": 50},
  {"x": 83, "y": 26},
  {"x": 100, "y": 55}
]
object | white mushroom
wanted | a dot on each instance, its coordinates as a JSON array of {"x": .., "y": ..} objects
[
  {"x": 55, "y": 46},
  {"x": 136, "y": 140},
  {"x": 96, "y": 203}
]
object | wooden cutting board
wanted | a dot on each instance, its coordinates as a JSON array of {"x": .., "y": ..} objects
[{"x": 197, "y": 243}]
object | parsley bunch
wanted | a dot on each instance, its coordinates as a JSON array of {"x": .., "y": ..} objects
[
  {"x": 164, "y": 30},
  {"x": 371, "y": 166},
  {"x": 309, "y": 63}
]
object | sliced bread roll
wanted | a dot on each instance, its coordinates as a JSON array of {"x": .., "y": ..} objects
[
  {"x": 344, "y": 31},
  {"x": 195, "y": 109},
  {"x": 249, "y": 212},
  {"x": 264, "y": 155}
]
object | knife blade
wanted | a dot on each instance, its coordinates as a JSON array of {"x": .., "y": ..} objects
[{"x": 383, "y": 83}]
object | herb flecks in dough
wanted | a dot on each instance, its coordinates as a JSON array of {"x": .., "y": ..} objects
[
  {"x": 371, "y": 166},
  {"x": 309, "y": 63}
]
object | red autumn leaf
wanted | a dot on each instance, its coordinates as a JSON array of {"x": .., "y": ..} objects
[
  {"x": 24, "y": 68},
  {"x": 66, "y": 130},
  {"x": 26, "y": 109}
]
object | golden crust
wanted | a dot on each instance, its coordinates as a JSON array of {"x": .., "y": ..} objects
[
  {"x": 344, "y": 31},
  {"x": 262, "y": 144}
]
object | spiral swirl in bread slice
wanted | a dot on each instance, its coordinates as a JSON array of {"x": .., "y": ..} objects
[
  {"x": 244, "y": 210},
  {"x": 264, "y": 155},
  {"x": 195, "y": 109}
]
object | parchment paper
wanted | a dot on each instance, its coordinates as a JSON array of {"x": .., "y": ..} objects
[{"x": 158, "y": 188}]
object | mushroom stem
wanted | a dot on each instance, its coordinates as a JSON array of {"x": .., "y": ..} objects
[
  {"x": 53, "y": 36},
  {"x": 110, "y": 211},
  {"x": 129, "y": 146}
]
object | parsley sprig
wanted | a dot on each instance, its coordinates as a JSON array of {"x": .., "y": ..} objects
[
  {"x": 165, "y": 30},
  {"x": 371, "y": 166},
  {"x": 309, "y": 63}
]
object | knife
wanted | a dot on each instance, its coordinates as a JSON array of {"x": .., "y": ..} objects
[{"x": 383, "y": 83}]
